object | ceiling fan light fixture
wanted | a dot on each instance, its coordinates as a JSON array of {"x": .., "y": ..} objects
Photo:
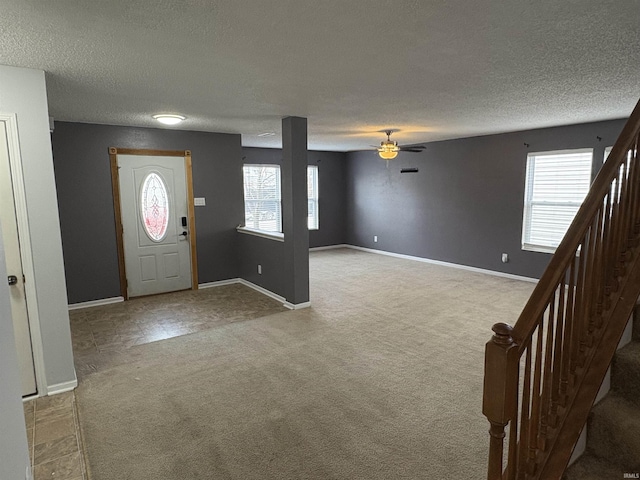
[
  {"x": 388, "y": 152},
  {"x": 388, "y": 149},
  {"x": 169, "y": 119}
]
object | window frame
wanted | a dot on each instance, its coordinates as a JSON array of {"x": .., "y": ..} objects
[
  {"x": 313, "y": 197},
  {"x": 527, "y": 214},
  {"x": 276, "y": 201}
]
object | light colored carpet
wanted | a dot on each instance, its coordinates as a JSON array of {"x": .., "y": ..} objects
[{"x": 380, "y": 379}]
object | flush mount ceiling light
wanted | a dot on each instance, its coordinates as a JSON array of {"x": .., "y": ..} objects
[
  {"x": 169, "y": 119},
  {"x": 389, "y": 149}
]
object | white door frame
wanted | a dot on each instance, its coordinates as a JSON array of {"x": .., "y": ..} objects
[
  {"x": 117, "y": 210},
  {"x": 10, "y": 121}
]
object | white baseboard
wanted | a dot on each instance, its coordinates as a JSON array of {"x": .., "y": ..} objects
[
  {"x": 262, "y": 290},
  {"x": 219, "y": 283},
  {"x": 257, "y": 288},
  {"x": 62, "y": 387},
  {"x": 96, "y": 303},
  {"x": 296, "y": 306},
  {"x": 328, "y": 247},
  {"x": 446, "y": 264}
]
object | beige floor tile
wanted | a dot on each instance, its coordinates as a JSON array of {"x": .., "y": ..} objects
[
  {"x": 63, "y": 468},
  {"x": 53, "y": 414},
  {"x": 29, "y": 413},
  {"x": 53, "y": 430},
  {"x": 62, "y": 400},
  {"x": 49, "y": 451}
]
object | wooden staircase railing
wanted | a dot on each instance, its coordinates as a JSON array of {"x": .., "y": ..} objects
[{"x": 542, "y": 375}]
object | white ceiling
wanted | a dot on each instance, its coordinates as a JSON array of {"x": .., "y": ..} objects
[{"x": 428, "y": 69}]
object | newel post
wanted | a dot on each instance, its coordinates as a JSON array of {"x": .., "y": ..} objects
[{"x": 499, "y": 399}]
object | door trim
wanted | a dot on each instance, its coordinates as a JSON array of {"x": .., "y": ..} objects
[
  {"x": 10, "y": 121},
  {"x": 117, "y": 208}
]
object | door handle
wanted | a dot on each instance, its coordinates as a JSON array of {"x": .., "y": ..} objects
[
  {"x": 13, "y": 280},
  {"x": 183, "y": 234}
]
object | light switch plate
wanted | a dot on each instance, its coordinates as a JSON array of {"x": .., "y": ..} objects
[{"x": 199, "y": 202}]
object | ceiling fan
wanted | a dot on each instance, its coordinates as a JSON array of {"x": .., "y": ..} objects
[{"x": 389, "y": 149}]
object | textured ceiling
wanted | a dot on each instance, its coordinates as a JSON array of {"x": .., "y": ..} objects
[{"x": 429, "y": 70}]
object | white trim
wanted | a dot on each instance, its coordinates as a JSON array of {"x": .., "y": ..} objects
[
  {"x": 447, "y": 264},
  {"x": 15, "y": 161},
  {"x": 278, "y": 237},
  {"x": 95, "y": 303},
  {"x": 296, "y": 306},
  {"x": 62, "y": 387},
  {"x": 328, "y": 247},
  {"x": 219, "y": 283},
  {"x": 257, "y": 288},
  {"x": 262, "y": 290},
  {"x": 550, "y": 153}
]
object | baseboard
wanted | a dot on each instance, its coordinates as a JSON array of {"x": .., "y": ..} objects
[
  {"x": 262, "y": 290},
  {"x": 446, "y": 264},
  {"x": 219, "y": 283},
  {"x": 296, "y": 306},
  {"x": 96, "y": 303},
  {"x": 328, "y": 247},
  {"x": 62, "y": 387}
]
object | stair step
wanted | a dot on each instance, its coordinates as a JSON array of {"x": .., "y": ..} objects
[
  {"x": 613, "y": 432},
  {"x": 589, "y": 467},
  {"x": 625, "y": 373}
]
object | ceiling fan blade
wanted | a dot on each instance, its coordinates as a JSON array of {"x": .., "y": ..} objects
[{"x": 412, "y": 150}]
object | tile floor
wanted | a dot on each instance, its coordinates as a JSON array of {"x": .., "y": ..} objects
[
  {"x": 53, "y": 435},
  {"x": 99, "y": 333}
]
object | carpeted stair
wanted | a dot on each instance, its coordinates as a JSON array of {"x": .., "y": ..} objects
[{"x": 613, "y": 428}]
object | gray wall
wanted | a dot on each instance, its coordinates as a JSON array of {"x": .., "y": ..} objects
[
  {"x": 83, "y": 178},
  {"x": 465, "y": 204},
  {"x": 269, "y": 254},
  {"x": 332, "y": 184},
  {"x": 14, "y": 453},
  {"x": 23, "y": 92}
]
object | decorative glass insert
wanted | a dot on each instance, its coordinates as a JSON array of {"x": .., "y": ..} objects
[{"x": 154, "y": 207}]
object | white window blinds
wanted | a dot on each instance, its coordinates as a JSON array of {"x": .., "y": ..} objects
[
  {"x": 312, "y": 198},
  {"x": 262, "y": 201},
  {"x": 556, "y": 185}
]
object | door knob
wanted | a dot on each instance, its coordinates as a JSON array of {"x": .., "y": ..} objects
[
  {"x": 13, "y": 280},
  {"x": 184, "y": 234}
]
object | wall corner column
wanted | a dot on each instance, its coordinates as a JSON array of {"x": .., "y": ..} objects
[{"x": 294, "y": 210}]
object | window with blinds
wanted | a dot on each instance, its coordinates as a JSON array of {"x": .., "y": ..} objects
[
  {"x": 556, "y": 185},
  {"x": 312, "y": 198},
  {"x": 262, "y": 201}
]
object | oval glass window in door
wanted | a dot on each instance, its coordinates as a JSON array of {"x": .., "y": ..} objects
[{"x": 154, "y": 207}]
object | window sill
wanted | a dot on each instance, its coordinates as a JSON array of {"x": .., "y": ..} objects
[
  {"x": 278, "y": 237},
  {"x": 539, "y": 248}
]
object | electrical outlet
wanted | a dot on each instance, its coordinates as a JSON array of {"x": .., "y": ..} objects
[
  {"x": 505, "y": 257},
  {"x": 375, "y": 239},
  {"x": 259, "y": 269}
]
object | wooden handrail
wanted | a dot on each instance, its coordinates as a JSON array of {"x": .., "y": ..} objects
[{"x": 542, "y": 374}]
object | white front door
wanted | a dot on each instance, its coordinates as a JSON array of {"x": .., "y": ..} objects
[
  {"x": 11, "y": 241},
  {"x": 154, "y": 206}
]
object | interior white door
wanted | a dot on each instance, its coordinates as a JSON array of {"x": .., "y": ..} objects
[
  {"x": 154, "y": 206},
  {"x": 11, "y": 241}
]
